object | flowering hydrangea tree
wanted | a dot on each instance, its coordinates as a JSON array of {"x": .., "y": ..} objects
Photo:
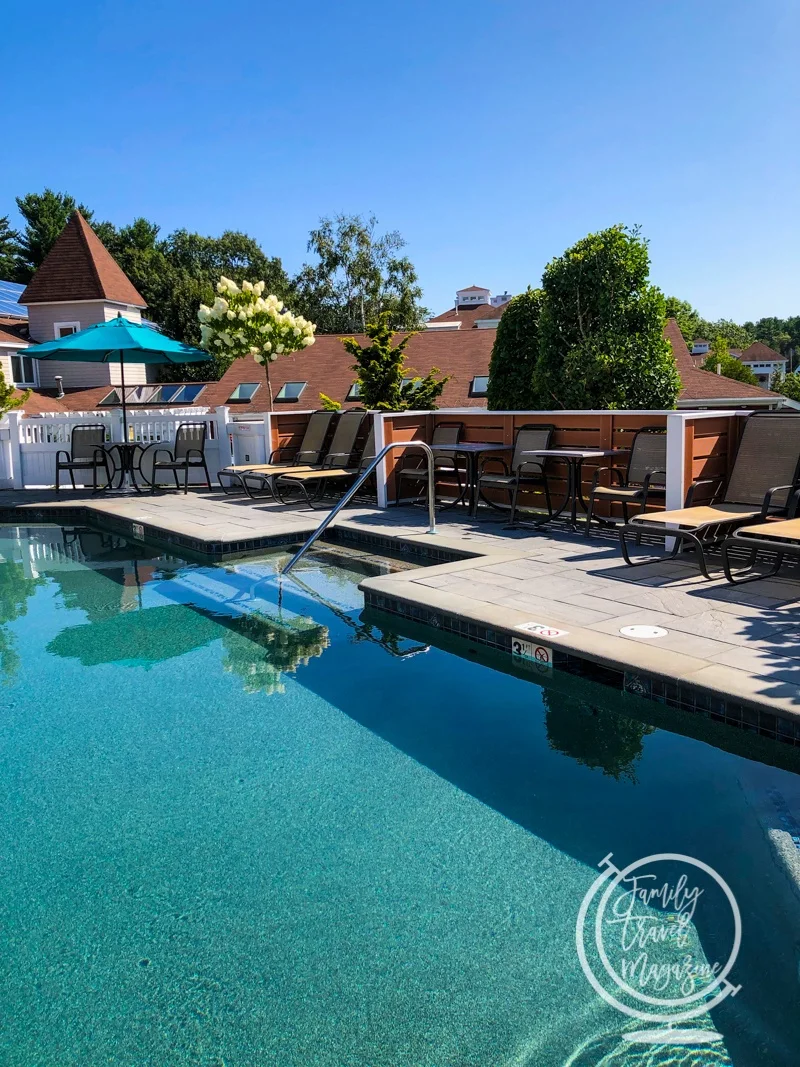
[{"x": 242, "y": 322}]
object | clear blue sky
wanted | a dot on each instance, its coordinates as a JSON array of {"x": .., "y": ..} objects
[{"x": 491, "y": 135}]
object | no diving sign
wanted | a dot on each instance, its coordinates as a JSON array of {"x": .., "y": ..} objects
[
  {"x": 541, "y": 629},
  {"x": 538, "y": 656}
]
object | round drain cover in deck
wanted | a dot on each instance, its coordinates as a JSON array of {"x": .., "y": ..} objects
[{"x": 643, "y": 631}]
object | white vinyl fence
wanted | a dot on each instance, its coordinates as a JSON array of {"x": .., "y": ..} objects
[{"x": 28, "y": 445}]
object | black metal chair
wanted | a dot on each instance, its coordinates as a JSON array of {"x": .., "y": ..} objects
[
  {"x": 187, "y": 453},
  {"x": 86, "y": 453},
  {"x": 413, "y": 467},
  {"x": 643, "y": 478},
  {"x": 522, "y": 474}
]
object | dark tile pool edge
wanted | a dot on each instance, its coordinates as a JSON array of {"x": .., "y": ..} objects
[
  {"x": 217, "y": 551},
  {"x": 739, "y": 713}
]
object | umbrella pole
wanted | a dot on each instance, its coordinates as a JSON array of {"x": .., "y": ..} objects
[{"x": 124, "y": 405}]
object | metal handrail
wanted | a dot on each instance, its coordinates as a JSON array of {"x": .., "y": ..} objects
[{"x": 351, "y": 492}]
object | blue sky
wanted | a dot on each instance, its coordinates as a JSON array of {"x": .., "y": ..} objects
[{"x": 492, "y": 136}]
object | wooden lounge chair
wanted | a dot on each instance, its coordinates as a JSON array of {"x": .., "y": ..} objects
[
  {"x": 314, "y": 484},
  {"x": 522, "y": 474},
  {"x": 642, "y": 479},
  {"x": 262, "y": 479},
  {"x": 414, "y": 468},
  {"x": 309, "y": 454},
  {"x": 765, "y": 474},
  {"x": 777, "y": 539}
]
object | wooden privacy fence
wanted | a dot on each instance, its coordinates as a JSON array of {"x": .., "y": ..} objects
[{"x": 573, "y": 429}]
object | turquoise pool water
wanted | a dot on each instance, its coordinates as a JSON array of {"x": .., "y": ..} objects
[{"x": 242, "y": 826}]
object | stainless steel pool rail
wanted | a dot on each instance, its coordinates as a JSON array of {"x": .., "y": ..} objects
[{"x": 351, "y": 492}]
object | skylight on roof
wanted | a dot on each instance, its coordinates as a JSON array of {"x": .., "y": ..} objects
[
  {"x": 479, "y": 385},
  {"x": 291, "y": 391},
  {"x": 152, "y": 395},
  {"x": 244, "y": 391},
  {"x": 354, "y": 392}
]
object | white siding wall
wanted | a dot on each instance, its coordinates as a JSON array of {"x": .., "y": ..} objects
[
  {"x": 5, "y": 365},
  {"x": 41, "y": 322}
]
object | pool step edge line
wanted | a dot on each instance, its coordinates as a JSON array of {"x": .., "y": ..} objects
[{"x": 639, "y": 666}]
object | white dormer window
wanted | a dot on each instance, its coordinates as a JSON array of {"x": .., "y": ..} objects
[{"x": 64, "y": 329}]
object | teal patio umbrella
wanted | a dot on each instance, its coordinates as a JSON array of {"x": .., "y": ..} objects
[{"x": 118, "y": 341}]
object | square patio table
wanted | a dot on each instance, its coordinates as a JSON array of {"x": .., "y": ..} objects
[
  {"x": 574, "y": 459},
  {"x": 471, "y": 451}
]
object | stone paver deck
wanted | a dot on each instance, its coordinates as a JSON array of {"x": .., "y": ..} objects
[{"x": 741, "y": 643}]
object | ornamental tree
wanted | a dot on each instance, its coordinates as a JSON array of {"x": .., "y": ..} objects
[
  {"x": 241, "y": 322},
  {"x": 8, "y": 401},
  {"x": 601, "y": 339},
  {"x": 380, "y": 369},
  {"x": 514, "y": 354}
]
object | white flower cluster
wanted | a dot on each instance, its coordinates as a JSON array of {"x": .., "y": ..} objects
[{"x": 242, "y": 322}]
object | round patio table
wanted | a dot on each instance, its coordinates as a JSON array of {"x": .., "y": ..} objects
[
  {"x": 124, "y": 464},
  {"x": 574, "y": 459}
]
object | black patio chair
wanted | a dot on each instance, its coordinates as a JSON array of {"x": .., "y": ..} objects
[
  {"x": 187, "y": 453},
  {"x": 413, "y": 467},
  {"x": 642, "y": 479},
  {"x": 523, "y": 473},
  {"x": 86, "y": 453}
]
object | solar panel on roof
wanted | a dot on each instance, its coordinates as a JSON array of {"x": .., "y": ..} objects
[{"x": 9, "y": 296}]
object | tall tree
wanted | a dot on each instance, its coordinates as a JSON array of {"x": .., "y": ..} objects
[
  {"x": 688, "y": 319},
  {"x": 601, "y": 328},
  {"x": 720, "y": 361},
  {"x": 45, "y": 214},
  {"x": 358, "y": 276},
  {"x": 514, "y": 354},
  {"x": 380, "y": 369},
  {"x": 8, "y": 244}
]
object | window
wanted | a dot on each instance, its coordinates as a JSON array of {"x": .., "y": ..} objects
[
  {"x": 479, "y": 385},
  {"x": 64, "y": 329},
  {"x": 244, "y": 392},
  {"x": 291, "y": 391},
  {"x": 354, "y": 393},
  {"x": 22, "y": 370}
]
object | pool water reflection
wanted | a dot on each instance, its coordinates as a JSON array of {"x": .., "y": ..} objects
[{"x": 245, "y": 824}]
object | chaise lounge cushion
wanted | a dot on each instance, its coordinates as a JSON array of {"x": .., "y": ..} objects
[
  {"x": 787, "y": 530},
  {"x": 702, "y": 515}
]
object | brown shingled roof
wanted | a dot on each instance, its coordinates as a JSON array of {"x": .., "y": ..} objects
[
  {"x": 80, "y": 267},
  {"x": 12, "y": 331},
  {"x": 758, "y": 352},
  {"x": 469, "y": 315},
  {"x": 327, "y": 368},
  {"x": 703, "y": 385}
]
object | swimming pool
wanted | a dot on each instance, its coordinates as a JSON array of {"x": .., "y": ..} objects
[{"x": 244, "y": 825}]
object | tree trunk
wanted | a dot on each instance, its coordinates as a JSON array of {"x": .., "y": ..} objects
[{"x": 269, "y": 383}]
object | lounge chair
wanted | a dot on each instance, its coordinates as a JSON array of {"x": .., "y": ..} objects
[
  {"x": 414, "y": 468},
  {"x": 777, "y": 538},
  {"x": 262, "y": 479},
  {"x": 187, "y": 453},
  {"x": 314, "y": 484},
  {"x": 523, "y": 473},
  {"x": 308, "y": 454},
  {"x": 765, "y": 473},
  {"x": 642, "y": 479},
  {"x": 86, "y": 453}
]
